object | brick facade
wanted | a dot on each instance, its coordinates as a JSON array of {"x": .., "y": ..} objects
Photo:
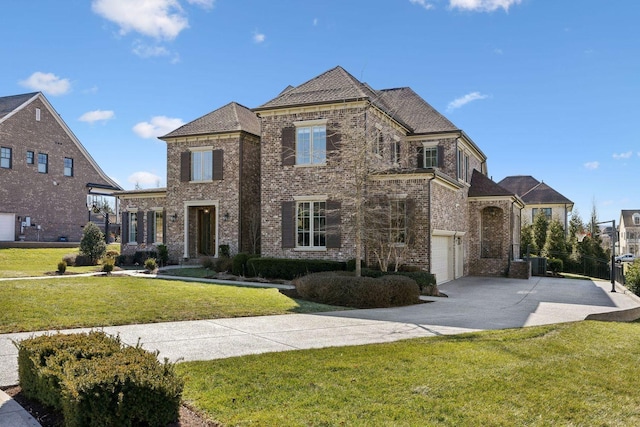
[{"x": 55, "y": 203}]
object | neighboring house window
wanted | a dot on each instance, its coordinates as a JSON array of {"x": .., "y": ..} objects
[
  {"x": 636, "y": 219},
  {"x": 30, "y": 157},
  {"x": 37, "y": 114},
  {"x": 155, "y": 233},
  {"x": 311, "y": 145},
  {"x": 43, "y": 163},
  {"x": 546, "y": 211},
  {"x": 68, "y": 166},
  {"x": 5, "y": 157},
  {"x": 133, "y": 227},
  {"x": 201, "y": 165},
  {"x": 311, "y": 224},
  {"x": 398, "y": 221}
]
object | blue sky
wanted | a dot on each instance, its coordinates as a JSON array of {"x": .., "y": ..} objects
[{"x": 544, "y": 88}]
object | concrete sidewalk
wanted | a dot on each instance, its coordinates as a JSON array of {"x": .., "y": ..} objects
[{"x": 474, "y": 303}]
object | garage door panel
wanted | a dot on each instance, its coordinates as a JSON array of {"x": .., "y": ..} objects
[
  {"x": 7, "y": 227},
  {"x": 441, "y": 257}
]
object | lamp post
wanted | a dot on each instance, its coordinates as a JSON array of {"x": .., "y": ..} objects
[{"x": 613, "y": 252}]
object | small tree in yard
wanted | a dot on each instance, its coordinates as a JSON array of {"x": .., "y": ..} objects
[
  {"x": 92, "y": 244},
  {"x": 632, "y": 277}
]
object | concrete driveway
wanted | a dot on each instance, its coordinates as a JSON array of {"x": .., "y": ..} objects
[{"x": 474, "y": 303}]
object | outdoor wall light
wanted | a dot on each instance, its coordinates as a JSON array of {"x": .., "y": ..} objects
[
  {"x": 174, "y": 217},
  {"x": 226, "y": 216}
]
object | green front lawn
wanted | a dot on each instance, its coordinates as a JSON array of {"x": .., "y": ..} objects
[
  {"x": 30, "y": 262},
  {"x": 68, "y": 302},
  {"x": 577, "y": 374}
]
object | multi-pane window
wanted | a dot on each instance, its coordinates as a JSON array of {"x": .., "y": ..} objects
[
  {"x": 431, "y": 157},
  {"x": 311, "y": 224},
  {"x": 30, "y": 157},
  {"x": 545, "y": 211},
  {"x": 377, "y": 144},
  {"x": 460, "y": 164},
  {"x": 43, "y": 163},
  {"x": 311, "y": 145},
  {"x": 201, "y": 165},
  {"x": 5, "y": 157},
  {"x": 133, "y": 227},
  {"x": 398, "y": 221},
  {"x": 466, "y": 168},
  {"x": 636, "y": 219},
  {"x": 158, "y": 227},
  {"x": 68, "y": 166},
  {"x": 395, "y": 151}
]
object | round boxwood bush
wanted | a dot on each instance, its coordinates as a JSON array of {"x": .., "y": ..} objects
[{"x": 344, "y": 289}]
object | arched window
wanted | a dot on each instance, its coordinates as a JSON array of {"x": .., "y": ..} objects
[{"x": 636, "y": 219}]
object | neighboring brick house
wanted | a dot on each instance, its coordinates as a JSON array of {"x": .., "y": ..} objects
[
  {"x": 537, "y": 197},
  {"x": 629, "y": 241},
  {"x": 212, "y": 196},
  {"x": 46, "y": 174},
  {"x": 301, "y": 164}
]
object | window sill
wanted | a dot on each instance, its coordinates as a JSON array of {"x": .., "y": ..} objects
[
  {"x": 310, "y": 249},
  {"x": 310, "y": 165},
  {"x": 204, "y": 181}
]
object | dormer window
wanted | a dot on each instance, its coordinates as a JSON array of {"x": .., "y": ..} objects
[{"x": 636, "y": 219}]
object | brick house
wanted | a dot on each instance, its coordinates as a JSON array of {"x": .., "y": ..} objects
[
  {"x": 539, "y": 197},
  {"x": 212, "y": 196},
  {"x": 629, "y": 231},
  {"x": 304, "y": 162},
  {"x": 46, "y": 174}
]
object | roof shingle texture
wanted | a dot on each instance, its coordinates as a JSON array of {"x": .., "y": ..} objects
[
  {"x": 483, "y": 186},
  {"x": 532, "y": 191},
  {"x": 232, "y": 117},
  {"x": 10, "y": 103}
]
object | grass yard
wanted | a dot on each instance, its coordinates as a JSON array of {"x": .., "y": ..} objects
[
  {"x": 68, "y": 302},
  {"x": 29, "y": 262},
  {"x": 576, "y": 374}
]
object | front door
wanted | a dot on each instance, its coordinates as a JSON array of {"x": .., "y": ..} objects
[{"x": 206, "y": 226}]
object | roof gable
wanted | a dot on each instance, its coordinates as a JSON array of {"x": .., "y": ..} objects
[
  {"x": 483, "y": 186},
  {"x": 330, "y": 86},
  {"x": 543, "y": 194},
  {"x": 9, "y": 104},
  {"x": 232, "y": 117}
]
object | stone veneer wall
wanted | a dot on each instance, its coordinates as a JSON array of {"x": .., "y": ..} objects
[{"x": 55, "y": 202}]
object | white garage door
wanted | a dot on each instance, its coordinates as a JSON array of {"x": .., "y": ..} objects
[
  {"x": 441, "y": 258},
  {"x": 7, "y": 227}
]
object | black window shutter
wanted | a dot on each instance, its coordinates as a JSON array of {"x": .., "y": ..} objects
[
  {"x": 333, "y": 144},
  {"x": 217, "y": 164},
  {"x": 288, "y": 225},
  {"x": 140, "y": 230},
  {"x": 185, "y": 166},
  {"x": 288, "y": 146},
  {"x": 334, "y": 225},
  {"x": 440, "y": 154},
  {"x": 151, "y": 236},
  {"x": 420, "y": 158},
  {"x": 124, "y": 238}
]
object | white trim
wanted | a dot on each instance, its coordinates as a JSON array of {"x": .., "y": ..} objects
[
  {"x": 203, "y": 148},
  {"x": 195, "y": 203}
]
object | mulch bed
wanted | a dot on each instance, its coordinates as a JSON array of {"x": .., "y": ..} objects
[{"x": 47, "y": 417}]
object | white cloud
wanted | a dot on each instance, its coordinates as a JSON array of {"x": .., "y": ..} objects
[
  {"x": 144, "y": 50},
  {"x": 206, "y": 4},
  {"x": 592, "y": 165},
  {"x": 459, "y": 102},
  {"x": 422, "y": 3},
  {"x": 158, "y": 126},
  {"x": 48, "y": 83},
  {"x": 482, "y": 5},
  {"x": 97, "y": 116},
  {"x": 258, "y": 37},
  {"x": 144, "y": 179},
  {"x": 620, "y": 156},
  {"x": 160, "y": 19}
]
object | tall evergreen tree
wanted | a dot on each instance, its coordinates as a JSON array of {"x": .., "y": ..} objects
[{"x": 540, "y": 226}]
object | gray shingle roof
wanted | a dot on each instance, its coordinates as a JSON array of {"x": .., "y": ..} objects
[
  {"x": 407, "y": 105},
  {"x": 627, "y": 217},
  {"x": 232, "y": 117},
  {"x": 532, "y": 191},
  {"x": 483, "y": 186},
  {"x": 10, "y": 103},
  {"x": 333, "y": 85}
]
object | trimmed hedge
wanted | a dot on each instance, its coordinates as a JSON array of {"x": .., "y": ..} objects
[
  {"x": 344, "y": 289},
  {"x": 425, "y": 280},
  {"x": 289, "y": 269},
  {"x": 95, "y": 381}
]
